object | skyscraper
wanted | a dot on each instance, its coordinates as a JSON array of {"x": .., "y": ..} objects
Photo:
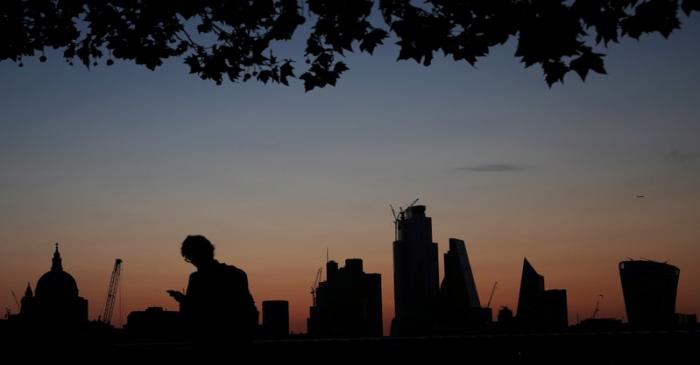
[
  {"x": 540, "y": 309},
  {"x": 458, "y": 274},
  {"x": 460, "y": 309},
  {"x": 531, "y": 289},
  {"x": 416, "y": 273},
  {"x": 649, "y": 289},
  {"x": 348, "y": 303}
]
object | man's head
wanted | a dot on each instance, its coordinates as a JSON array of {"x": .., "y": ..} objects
[{"x": 197, "y": 250}]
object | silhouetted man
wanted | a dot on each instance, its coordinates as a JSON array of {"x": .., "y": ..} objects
[{"x": 218, "y": 306}]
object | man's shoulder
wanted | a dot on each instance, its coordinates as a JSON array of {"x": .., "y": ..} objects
[{"x": 231, "y": 270}]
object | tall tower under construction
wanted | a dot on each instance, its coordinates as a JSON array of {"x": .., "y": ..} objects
[{"x": 416, "y": 273}]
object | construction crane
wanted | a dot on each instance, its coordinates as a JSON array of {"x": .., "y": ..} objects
[
  {"x": 393, "y": 212},
  {"x": 493, "y": 290},
  {"x": 112, "y": 292},
  {"x": 14, "y": 296},
  {"x": 398, "y": 216},
  {"x": 412, "y": 204},
  {"x": 314, "y": 287},
  {"x": 597, "y": 306}
]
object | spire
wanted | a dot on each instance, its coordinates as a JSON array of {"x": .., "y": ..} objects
[
  {"x": 56, "y": 264},
  {"x": 28, "y": 292}
]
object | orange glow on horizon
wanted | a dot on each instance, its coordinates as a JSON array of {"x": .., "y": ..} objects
[{"x": 283, "y": 268}]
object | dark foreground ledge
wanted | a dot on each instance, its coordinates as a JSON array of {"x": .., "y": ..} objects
[{"x": 663, "y": 347}]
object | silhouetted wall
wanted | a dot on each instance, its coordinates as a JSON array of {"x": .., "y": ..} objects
[
  {"x": 554, "y": 312},
  {"x": 275, "y": 315},
  {"x": 505, "y": 318},
  {"x": 155, "y": 324}
]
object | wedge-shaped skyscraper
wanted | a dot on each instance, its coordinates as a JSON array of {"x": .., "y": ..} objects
[{"x": 540, "y": 309}]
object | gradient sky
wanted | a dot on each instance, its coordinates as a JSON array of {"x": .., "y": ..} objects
[{"x": 124, "y": 162}]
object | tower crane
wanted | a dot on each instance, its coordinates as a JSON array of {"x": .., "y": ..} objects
[
  {"x": 112, "y": 292},
  {"x": 493, "y": 290},
  {"x": 314, "y": 287},
  {"x": 597, "y": 306},
  {"x": 398, "y": 216},
  {"x": 401, "y": 213},
  {"x": 14, "y": 296}
]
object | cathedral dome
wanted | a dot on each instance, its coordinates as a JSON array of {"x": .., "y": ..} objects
[{"x": 56, "y": 283}]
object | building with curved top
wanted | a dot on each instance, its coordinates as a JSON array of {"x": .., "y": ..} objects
[
  {"x": 56, "y": 299},
  {"x": 649, "y": 289}
]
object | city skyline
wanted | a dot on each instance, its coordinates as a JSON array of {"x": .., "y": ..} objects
[
  {"x": 123, "y": 162},
  {"x": 95, "y": 307}
]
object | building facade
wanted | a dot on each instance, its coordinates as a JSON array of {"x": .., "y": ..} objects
[
  {"x": 540, "y": 309},
  {"x": 460, "y": 309},
  {"x": 55, "y": 302},
  {"x": 347, "y": 304},
  {"x": 649, "y": 289},
  {"x": 416, "y": 274}
]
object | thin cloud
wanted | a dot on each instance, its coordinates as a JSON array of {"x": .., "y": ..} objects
[
  {"x": 493, "y": 168},
  {"x": 680, "y": 156}
]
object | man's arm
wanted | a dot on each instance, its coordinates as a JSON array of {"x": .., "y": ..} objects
[{"x": 177, "y": 295}]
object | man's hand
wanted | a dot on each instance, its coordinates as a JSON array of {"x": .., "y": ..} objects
[{"x": 177, "y": 295}]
